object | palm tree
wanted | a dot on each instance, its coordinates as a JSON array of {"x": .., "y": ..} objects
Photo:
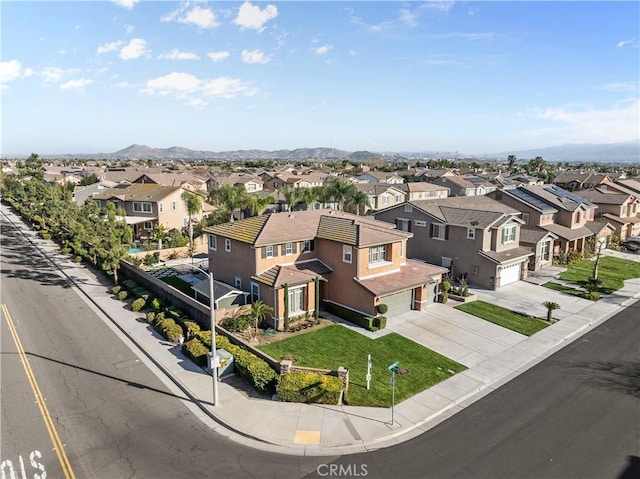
[
  {"x": 255, "y": 204},
  {"x": 551, "y": 306},
  {"x": 340, "y": 190},
  {"x": 511, "y": 161},
  {"x": 193, "y": 203},
  {"x": 291, "y": 196},
  {"x": 357, "y": 201},
  {"x": 259, "y": 311}
]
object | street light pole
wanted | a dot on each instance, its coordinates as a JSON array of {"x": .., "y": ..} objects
[{"x": 212, "y": 318}]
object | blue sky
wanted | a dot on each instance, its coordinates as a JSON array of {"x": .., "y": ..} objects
[{"x": 474, "y": 77}]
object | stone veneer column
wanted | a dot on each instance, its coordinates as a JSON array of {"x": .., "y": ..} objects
[{"x": 343, "y": 373}]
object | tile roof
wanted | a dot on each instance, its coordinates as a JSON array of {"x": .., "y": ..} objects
[
  {"x": 533, "y": 236},
  {"x": 295, "y": 274},
  {"x": 568, "y": 233},
  {"x": 412, "y": 274},
  {"x": 508, "y": 256},
  {"x": 603, "y": 197},
  {"x": 137, "y": 192},
  {"x": 421, "y": 186},
  {"x": 618, "y": 219},
  {"x": 598, "y": 226},
  {"x": 558, "y": 197},
  {"x": 461, "y": 210}
]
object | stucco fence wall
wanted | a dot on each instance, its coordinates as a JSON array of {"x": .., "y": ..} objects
[
  {"x": 286, "y": 367},
  {"x": 191, "y": 307},
  {"x": 200, "y": 245}
]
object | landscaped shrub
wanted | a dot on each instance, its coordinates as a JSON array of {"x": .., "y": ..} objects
[
  {"x": 116, "y": 289},
  {"x": 174, "y": 312},
  {"x": 205, "y": 337},
  {"x": 191, "y": 327},
  {"x": 196, "y": 351},
  {"x": 168, "y": 328},
  {"x": 593, "y": 295},
  {"x": 150, "y": 317},
  {"x": 380, "y": 322},
  {"x": 157, "y": 304},
  {"x": 138, "y": 291},
  {"x": 45, "y": 235},
  {"x": 137, "y": 304},
  {"x": 444, "y": 298},
  {"x": 309, "y": 387},
  {"x": 122, "y": 295},
  {"x": 349, "y": 315},
  {"x": 257, "y": 371},
  {"x": 130, "y": 284},
  {"x": 382, "y": 308},
  {"x": 77, "y": 259}
]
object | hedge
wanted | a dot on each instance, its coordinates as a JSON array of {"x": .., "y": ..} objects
[
  {"x": 122, "y": 295},
  {"x": 196, "y": 351},
  {"x": 350, "y": 315},
  {"x": 137, "y": 304},
  {"x": 191, "y": 328},
  {"x": 309, "y": 387},
  {"x": 257, "y": 371},
  {"x": 380, "y": 322}
]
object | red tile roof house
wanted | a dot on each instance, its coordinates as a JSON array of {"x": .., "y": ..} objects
[
  {"x": 359, "y": 263},
  {"x": 471, "y": 235}
]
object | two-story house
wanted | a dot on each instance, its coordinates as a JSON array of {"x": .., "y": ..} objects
[
  {"x": 618, "y": 209},
  {"x": 352, "y": 261},
  {"x": 381, "y": 195},
  {"x": 552, "y": 209},
  {"x": 380, "y": 177},
  {"x": 423, "y": 191},
  {"x": 147, "y": 204},
  {"x": 470, "y": 185},
  {"x": 474, "y": 237}
]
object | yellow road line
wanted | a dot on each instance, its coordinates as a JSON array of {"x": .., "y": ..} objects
[{"x": 58, "y": 447}]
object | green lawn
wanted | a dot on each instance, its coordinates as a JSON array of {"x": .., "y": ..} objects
[
  {"x": 564, "y": 289},
  {"x": 612, "y": 271},
  {"x": 504, "y": 317},
  {"x": 335, "y": 346},
  {"x": 179, "y": 284}
]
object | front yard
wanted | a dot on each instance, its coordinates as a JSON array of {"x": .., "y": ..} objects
[
  {"x": 504, "y": 317},
  {"x": 335, "y": 346},
  {"x": 612, "y": 271}
]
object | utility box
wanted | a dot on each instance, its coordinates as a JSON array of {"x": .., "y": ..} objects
[{"x": 226, "y": 367}]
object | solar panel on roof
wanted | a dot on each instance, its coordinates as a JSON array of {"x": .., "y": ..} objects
[
  {"x": 531, "y": 199},
  {"x": 562, "y": 193}
]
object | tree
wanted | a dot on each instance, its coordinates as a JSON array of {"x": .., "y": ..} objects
[
  {"x": 193, "y": 203},
  {"x": 357, "y": 202},
  {"x": 255, "y": 204},
  {"x": 290, "y": 196},
  {"x": 512, "y": 162},
  {"x": 340, "y": 190},
  {"x": 551, "y": 307},
  {"x": 537, "y": 164},
  {"x": 259, "y": 311}
]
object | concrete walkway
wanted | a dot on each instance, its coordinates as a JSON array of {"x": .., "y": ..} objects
[{"x": 494, "y": 356}]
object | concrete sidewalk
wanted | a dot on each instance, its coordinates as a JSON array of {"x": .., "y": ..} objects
[{"x": 494, "y": 356}]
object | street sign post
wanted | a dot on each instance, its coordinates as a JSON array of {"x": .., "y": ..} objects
[
  {"x": 368, "y": 371},
  {"x": 394, "y": 369}
]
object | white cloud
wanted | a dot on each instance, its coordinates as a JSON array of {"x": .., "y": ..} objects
[
  {"x": 77, "y": 85},
  {"x": 591, "y": 125},
  {"x": 9, "y": 71},
  {"x": 620, "y": 87},
  {"x": 109, "y": 47},
  {"x": 128, "y": 4},
  {"x": 218, "y": 56},
  {"x": 624, "y": 43},
  {"x": 176, "y": 54},
  {"x": 52, "y": 74},
  {"x": 251, "y": 16},
  {"x": 196, "y": 91},
  {"x": 129, "y": 28},
  {"x": 467, "y": 36},
  {"x": 254, "y": 56},
  {"x": 136, "y": 48},
  {"x": 407, "y": 17},
  {"x": 322, "y": 50},
  {"x": 442, "y": 6},
  {"x": 202, "y": 17}
]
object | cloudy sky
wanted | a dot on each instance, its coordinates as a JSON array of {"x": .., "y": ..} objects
[{"x": 469, "y": 76}]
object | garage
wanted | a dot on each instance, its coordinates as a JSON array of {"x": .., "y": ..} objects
[
  {"x": 509, "y": 274},
  {"x": 398, "y": 303}
]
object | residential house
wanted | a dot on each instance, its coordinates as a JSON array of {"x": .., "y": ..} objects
[
  {"x": 554, "y": 209},
  {"x": 423, "y": 191},
  {"x": 250, "y": 183},
  {"x": 381, "y": 195},
  {"x": 630, "y": 184},
  {"x": 184, "y": 180},
  {"x": 572, "y": 180},
  {"x": 315, "y": 257},
  {"x": 619, "y": 209},
  {"x": 380, "y": 177},
  {"x": 432, "y": 175},
  {"x": 465, "y": 185},
  {"x": 477, "y": 238},
  {"x": 146, "y": 205},
  {"x": 83, "y": 193}
]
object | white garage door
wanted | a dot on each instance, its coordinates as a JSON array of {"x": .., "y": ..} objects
[
  {"x": 398, "y": 303},
  {"x": 509, "y": 274}
]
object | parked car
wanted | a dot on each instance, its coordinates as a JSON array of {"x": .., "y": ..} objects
[{"x": 632, "y": 244}]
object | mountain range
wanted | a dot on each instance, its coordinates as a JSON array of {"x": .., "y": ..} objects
[{"x": 626, "y": 152}]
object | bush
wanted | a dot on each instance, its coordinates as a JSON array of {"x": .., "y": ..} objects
[
  {"x": 137, "y": 305},
  {"x": 192, "y": 328},
  {"x": 157, "y": 304},
  {"x": 350, "y": 315},
  {"x": 168, "y": 328},
  {"x": 593, "y": 295},
  {"x": 129, "y": 284},
  {"x": 174, "y": 312},
  {"x": 309, "y": 387},
  {"x": 382, "y": 308},
  {"x": 122, "y": 295},
  {"x": 150, "y": 317},
  {"x": 77, "y": 259},
  {"x": 116, "y": 289},
  {"x": 45, "y": 235},
  {"x": 380, "y": 322},
  {"x": 444, "y": 298},
  {"x": 196, "y": 351}
]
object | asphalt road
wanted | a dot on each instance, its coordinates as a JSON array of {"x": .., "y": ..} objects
[{"x": 576, "y": 414}]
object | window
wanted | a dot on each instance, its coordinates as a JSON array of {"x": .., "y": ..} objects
[
  {"x": 385, "y": 200},
  {"x": 445, "y": 262},
  {"x": 438, "y": 231},
  {"x": 471, "y": 233},
  {"x": 255, "y": 292},
  {"x": 185, "y": 221},
  {"x": 288, "y": 248},
  {"x": 268, "y": 251},
  {"x": 213, "y": 242},
  {"x": 403, "y": 224},
  {"x": 525, "y": 218},
  {"x": 508, "y": 234},
  {"x": 251, "y": 186},
  {"x": 237, "y": 282},
  {"x": 141, "y": 207},
  {"x": 148, "y": 225},
  {"x": 420, "y": 223},
  {"x": 408, "y": 208},
  {"x": 308, "y": 246},
  {"x": 174, "y": 205},
  {"x": 378, "y": 253},
  {"x": 161, "y": 207},
  {"x": 398, "y": 198},
  {"x": 578, "y": 217},
  {"x": 624, "y": 210},
  {"x": 296, "y": 300},
  {"x": 346, "y": 253},
  {"x": 544, "y": 252},
  {"x": 227, "y": 244}
]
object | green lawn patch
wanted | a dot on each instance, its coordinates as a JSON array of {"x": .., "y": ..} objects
[
  {"x": 612, "y": 271},
  {"x": 180, "y": 285},
  {"x": 335, "y": 346},
  {"x": 564, "y": 289},
  {"x": 504, "y": 317}
]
